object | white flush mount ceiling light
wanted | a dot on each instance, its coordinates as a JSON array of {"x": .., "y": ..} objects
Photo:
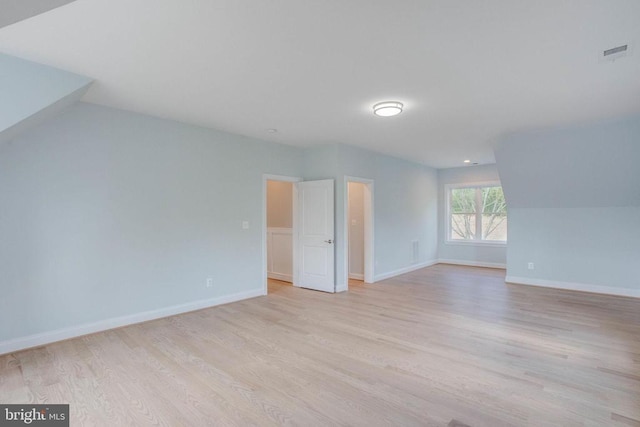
[{"x": 387, "y": 108}]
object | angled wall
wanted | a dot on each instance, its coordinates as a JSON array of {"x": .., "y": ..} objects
[
  {"x": 574, "y": 206},
  {"x": 31, "y": 93}
]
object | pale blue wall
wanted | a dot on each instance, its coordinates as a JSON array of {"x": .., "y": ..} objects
[
  {"x": 596, "y": 165},
  {"x": 466, "y": 252},
  {"x": 28, "y": 88},
  {"x": 592, "y": 246},
  {"x": 574, "y": 203},
  {"x": 105, "y": 213}
]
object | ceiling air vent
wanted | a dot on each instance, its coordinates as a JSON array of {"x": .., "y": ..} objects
[
  {"x": 615, "y": 50},
  {"x": 615, "y": 53}
]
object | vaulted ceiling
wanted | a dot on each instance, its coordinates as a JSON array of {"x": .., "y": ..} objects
[
  {"x": 17, "y": 10},
  {"x": 467, "y": 72}
]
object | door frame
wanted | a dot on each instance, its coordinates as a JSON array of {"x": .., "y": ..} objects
[
  {"x": 369, "y": 255},
  {"x": 294, "y": 226}
]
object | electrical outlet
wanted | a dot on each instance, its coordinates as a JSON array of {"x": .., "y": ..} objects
[
  {"x": 530, "y": 266},
  {"x": 209, "y": 282},
  {"x": 245, "y": 225}
]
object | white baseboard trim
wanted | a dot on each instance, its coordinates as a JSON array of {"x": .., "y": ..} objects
[
  {"x": 404, "y": 270},
  {"x": 356, "y": 276},
  {"x": 279, "y": 276},
  {"x": 341, "y": 288},
  {"x": 582, "y": 287},
  {"x": 36, "y": 340},
  {"x": 473, "y": 263}
]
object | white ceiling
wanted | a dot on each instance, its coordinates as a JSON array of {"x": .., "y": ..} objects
[
  {"x": 17, "y": 10},
  {"x": 467, "y": 71}
]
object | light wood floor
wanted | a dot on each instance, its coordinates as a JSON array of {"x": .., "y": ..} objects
[{"x": 443, "y": 346}]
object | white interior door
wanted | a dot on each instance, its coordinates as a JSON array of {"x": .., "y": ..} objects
[{"x": 316, "y": 235}]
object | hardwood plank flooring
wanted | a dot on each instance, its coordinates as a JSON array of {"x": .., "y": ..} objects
[{"x": 442, "y": 346}]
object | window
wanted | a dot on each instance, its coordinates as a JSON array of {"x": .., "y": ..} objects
[{"x": 476, "y": 213}]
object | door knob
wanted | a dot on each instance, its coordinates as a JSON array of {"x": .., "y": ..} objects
[{"x": 328, "y": 241}]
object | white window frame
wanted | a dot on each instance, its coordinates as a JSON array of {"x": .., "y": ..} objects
[{"x": 447, "y": 217}]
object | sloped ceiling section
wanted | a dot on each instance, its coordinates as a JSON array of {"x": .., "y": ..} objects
[
  {"x": 32, "y": 92},
  {"x": 12, "y": 11},
  {"x": 467, "y": 71},
  {"x": 596, "y": 165}
]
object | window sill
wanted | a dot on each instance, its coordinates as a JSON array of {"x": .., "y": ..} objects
[{"x": 475, "y": 243}]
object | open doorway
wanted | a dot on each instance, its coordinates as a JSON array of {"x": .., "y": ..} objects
[
  {"x": 312, "y": 235},
  {"x": 359, "y": 262},
  {"x": 356, "y": 232},
  {"x": 279, "y": 224}
]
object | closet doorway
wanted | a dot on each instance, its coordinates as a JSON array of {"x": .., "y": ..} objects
[
  {"x": 359, "y": 235},
  {"x": 279, "y": 225}
]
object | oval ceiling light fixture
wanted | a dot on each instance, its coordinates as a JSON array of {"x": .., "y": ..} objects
[
  {"x": 467, "y": 161},
  {"x": 387, "y": 108}
]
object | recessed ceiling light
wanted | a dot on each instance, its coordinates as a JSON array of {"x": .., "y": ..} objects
[
  {"x": 467, "y": 161},
  {"x": 387, "y": 108},
  {"x": 272, "y": 130}
]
